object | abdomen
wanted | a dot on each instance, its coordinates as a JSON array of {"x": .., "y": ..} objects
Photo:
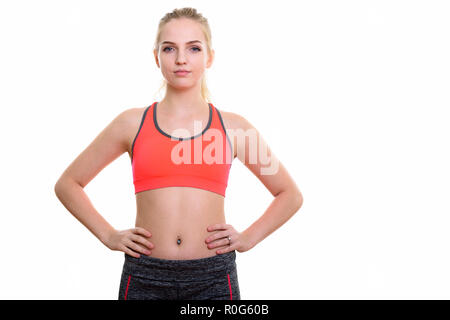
[{"x": 177, "y": 218}]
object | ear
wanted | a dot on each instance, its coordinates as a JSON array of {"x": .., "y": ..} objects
[
  {"x": 210, "y": 59},
  {"x": 155, "y": 53}
]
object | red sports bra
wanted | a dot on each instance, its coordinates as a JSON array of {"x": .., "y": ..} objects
[{"x": 160, "y": 160}]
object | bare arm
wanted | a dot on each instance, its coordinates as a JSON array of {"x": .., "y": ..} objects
[
  {"x": 106, "y": 147},
  {"x": 256, "y": 155},
  {"x": 76, "y": 201}
]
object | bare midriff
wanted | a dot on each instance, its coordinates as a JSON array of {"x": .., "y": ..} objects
[{"x": 178, "y": 218}]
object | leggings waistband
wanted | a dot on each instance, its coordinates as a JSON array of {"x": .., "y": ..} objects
[{"x": 180, "y": 270}]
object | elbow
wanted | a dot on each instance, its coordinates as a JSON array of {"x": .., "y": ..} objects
[
  {"x": 57, "y": 187},
  {"x": 295, "y": 199},
  {"x": 60, "y": 185},
  {"x": 298, "y": 201}
]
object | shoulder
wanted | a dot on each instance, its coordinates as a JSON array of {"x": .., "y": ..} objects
[
  {"x": 234, "y": 124},
  {"x": 129, "y": 121},
  {"x": 233, "y": 120},
  {"x": 130, "y": 115}
]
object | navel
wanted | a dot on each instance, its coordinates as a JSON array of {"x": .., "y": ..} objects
[{"x": 178, "y": 241}]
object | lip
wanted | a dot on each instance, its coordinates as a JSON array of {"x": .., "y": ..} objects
[{"x": 182, "y": 73}]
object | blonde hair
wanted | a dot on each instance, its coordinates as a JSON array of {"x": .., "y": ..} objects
[{"x": 190, "y": 13}]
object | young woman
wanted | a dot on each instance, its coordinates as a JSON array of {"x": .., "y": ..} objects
[{"x": 181, "y": 150}]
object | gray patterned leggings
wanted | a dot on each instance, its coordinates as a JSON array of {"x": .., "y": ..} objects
[{"x": 150, "y": 278}]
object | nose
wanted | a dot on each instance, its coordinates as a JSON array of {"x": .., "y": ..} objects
[{"x": 180, "y": 57}]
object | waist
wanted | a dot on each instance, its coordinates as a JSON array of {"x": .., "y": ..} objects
[
  {"x": 180, "y": 270},
  {"x": 180, "y": 235}
]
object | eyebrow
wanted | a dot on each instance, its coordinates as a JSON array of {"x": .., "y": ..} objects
[{"x": 193, "y": 41}]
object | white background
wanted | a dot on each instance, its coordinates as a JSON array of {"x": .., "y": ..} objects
[{"x": 352, "y": 96}]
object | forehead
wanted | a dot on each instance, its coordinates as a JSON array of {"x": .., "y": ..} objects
[{"x": 181, "y": 31}]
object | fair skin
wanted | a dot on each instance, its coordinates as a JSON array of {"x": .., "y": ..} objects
[{"x": 194, "y": 216}]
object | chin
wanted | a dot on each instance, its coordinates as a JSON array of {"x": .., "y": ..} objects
[{"x": 178, "y": 86}]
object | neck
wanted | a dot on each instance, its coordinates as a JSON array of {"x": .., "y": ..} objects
[{"x": 183, "y": 103}]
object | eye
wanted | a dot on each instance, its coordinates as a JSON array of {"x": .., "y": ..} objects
[{"x": 198, "y": 49}]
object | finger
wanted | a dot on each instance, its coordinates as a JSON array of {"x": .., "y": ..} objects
[
  {"x": 142, "y": 231},
  {"x": 142, "y": 240},
  {"x": 218, "y": 235},
  {"x": 135, "y": 247},
  {"x": 130, "y": 252},
  {"x": 226, "y": 249},
  {"x": 218, "y": 243},
  {"x": 218, "y": 226}
]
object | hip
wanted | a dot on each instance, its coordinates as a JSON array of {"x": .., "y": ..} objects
[{"x": 205, "y": 278}]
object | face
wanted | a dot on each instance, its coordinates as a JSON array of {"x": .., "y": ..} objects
[{"x": 181, "y": 53}]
